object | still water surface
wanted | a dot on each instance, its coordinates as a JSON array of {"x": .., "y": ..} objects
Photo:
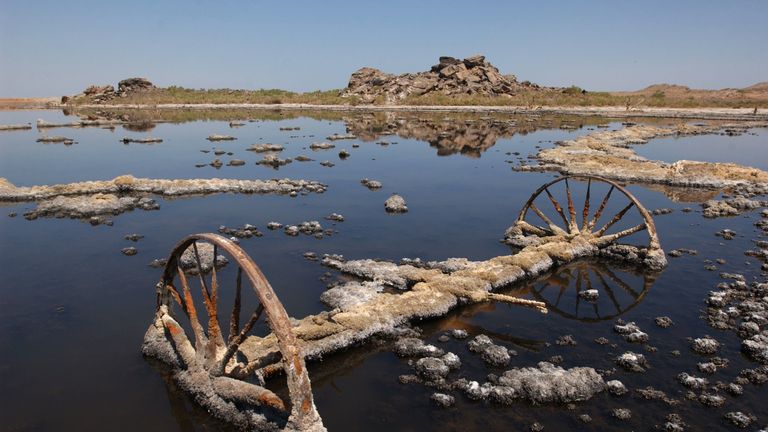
[{"x": 74, "y": 309}]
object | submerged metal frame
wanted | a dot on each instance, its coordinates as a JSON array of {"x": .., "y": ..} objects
[{"x": 210, "y": 370}]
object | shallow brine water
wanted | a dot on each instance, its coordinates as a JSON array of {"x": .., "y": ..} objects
[{"x": 74, "y": 309}]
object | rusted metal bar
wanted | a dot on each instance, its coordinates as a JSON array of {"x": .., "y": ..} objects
[
  {"x": 615, "y": 219},
  {"x": 600, "y": 209}
]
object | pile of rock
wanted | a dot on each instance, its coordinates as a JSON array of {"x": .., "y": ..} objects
[
  {"x": 105, "y": 93},
  {"x": 451, "y": 76}
]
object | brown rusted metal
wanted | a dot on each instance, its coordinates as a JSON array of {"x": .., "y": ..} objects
[
  {"x": 300, "y": 392},
  {"x": 598, "y": 237}
]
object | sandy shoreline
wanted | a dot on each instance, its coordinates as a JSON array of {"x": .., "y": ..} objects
[{"x": 615, "y": 111}]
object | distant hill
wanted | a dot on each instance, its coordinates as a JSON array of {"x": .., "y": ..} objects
[{"x": 756, "y": 92}]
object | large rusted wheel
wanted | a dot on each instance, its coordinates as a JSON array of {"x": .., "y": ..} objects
[
  {"x": 191, "y": 291},
  {"x": 617, "y": 293},
  {"x": 559, "y": 220}
]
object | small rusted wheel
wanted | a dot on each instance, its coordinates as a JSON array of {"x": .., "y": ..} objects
[
  {"x": 206, "y": 345},
  {"x": 617, "y": 292},
  {"x": 563, "y": 221}
]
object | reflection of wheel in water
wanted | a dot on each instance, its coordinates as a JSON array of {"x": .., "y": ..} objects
[
  {"x": 617, "y": 199},
  {"x": 619, "y": 291},
  {"x": 183, "y": 304}
]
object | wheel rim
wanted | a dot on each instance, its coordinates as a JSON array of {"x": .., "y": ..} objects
[
  {"x": 567, "y": 224},
  {"x": 217, "y": 353}
]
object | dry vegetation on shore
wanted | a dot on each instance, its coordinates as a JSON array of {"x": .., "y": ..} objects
[{"x": 571, "y": 96}]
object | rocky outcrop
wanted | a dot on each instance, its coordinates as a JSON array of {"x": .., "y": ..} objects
[
  {"x": 451, "y": 76},
  {"x": 106, "y": 93}
]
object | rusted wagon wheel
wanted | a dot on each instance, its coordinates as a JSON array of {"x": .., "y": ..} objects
[
  {"x": 563, "y": 221},
  {"x": 561, "y": 291},
  {"x": 206, "y": 346}
]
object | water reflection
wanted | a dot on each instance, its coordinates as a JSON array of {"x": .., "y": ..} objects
[{"x": 619, "y": 288}]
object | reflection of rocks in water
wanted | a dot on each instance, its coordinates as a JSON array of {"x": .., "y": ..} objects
[
  {"x": 684, "y": 194},
  {"x": 143, "y": 126},
  {"x": 470, "y": 135},
  {"x": 620, "y": 289}
]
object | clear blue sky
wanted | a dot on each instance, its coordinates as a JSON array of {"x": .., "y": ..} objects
[{"x": 50, "y": 48}]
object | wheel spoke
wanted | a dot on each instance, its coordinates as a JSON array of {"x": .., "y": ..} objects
[
  {"x": 214, "y": 331},
  {"x": 175, "y": 294},
  {"x": 585, "y": 212},
  {"x": 235, "y": 343},
  {"x": 615, "y": 219},
  {"x": 532, "y": 229},
  {"x": 613, "y": 237},
  {"x": 234, "y": 319},
  {"x": 600, "y": 209},
  {"x": 557, "y": 206},
  {"x": 189, "y": 309},
  {"x": 548, "y": 221},
  {"x": 572, "y": 228}
]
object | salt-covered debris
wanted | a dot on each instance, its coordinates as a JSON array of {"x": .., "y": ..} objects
[
  {"x": 631, "y": 332},
  {"x": 216, "y": 137},
  {"x": 740, "y": 419},
  {"x": 495, "y": 355},
  {"x": 609, "y": 154},
  {"x": 443, "y": 400},
  {"x": 321, "y": 146},
  {"x": 266, "y": 147},
  {"x": 566, "y": 340},
  {"x": 711, "y": 400},
  {"x": 79, "y": 207},
  {"x": 730, "y": 207},
  {"x": 632, "y": 362},
  {"x": 371, "y": 184},
  {"x": 650, "y": 393},
  {"x": 337, "y": 136},
  {"x": 616, "y": 387},
  {"x": 674, "y": 423},
  {"x": 663, "y": 321},
  {"x": 335, "y": 217},
  {"x": 415, "y": 347},
  {"x": 56, "y": 139},
  {"x": 726, "y": 234},
  {"x": 177, "y": 187},
  {"x": 274, "y": 225},
  {"x": 133, "y": 237},
  {"x": 395, "y": 204},
  {"x": 11, "y": 127},
  {"x": 459, "y": 334},
  {"x": 273, "y": 161},
  {"x": 621, "y": 413},
  {"x": 547, "y": 383},
  {"x": 236, "y": 162},
  {"x": 129, "y": 251},
  {"x": 589, "y": 294},
  {"x": 147, "y": 140},
  {"x": 451, "y": 360},
  {"x": 692, "y": 382},
  {"x": 327, "y": 164},
  {"x": 245, "y": 231},
  {"x": 705, "y": 345},
  {"x": 351, "y": 294},
  {"x": 431, "y": 368},
  {"x": 756, "y": 347},
  {"x": 125, "y": 193}
]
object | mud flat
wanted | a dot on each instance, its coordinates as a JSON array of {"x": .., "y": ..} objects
[
  {"x": 609, "y": 154},
  {"x": 124, "y": 193}
]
